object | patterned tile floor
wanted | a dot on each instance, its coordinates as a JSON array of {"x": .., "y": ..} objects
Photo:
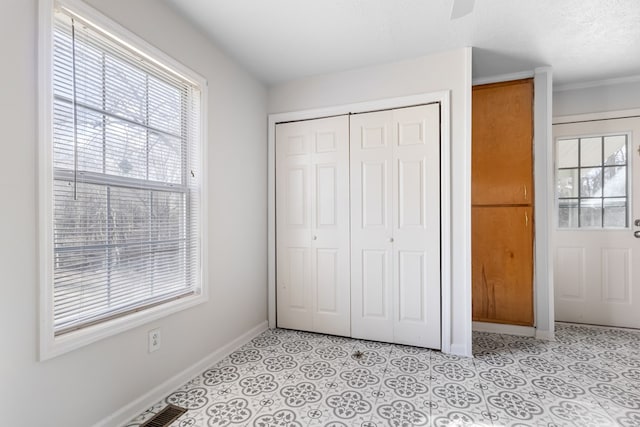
[{"x": 589, "y": 376}]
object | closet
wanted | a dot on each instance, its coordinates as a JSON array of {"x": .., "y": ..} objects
[
  {"x": 358, "y": 225},
  {"x": 502, "y": 203}
]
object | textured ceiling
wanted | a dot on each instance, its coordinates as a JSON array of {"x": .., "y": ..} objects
[{"x": 279, "y": 40}]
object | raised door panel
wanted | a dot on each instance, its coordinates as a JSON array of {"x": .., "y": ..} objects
[
  {"x": 416, "y": 225},
  {"x": 327, "y": 281},
  {"x": 296, "y": 196},
  {"x": 502, "y": 270},
  {"x": 502, "y": 139},
  {"x": 375, "y": 203},
  {"x": 375, "y": 284},
  {"x": 411, "y": 286},
  {"x": 411, "y": 193},
  {"x": 296, "y": 276},
  {"x": 326, "y": 196},
  {"x": 371, "y": 163}
]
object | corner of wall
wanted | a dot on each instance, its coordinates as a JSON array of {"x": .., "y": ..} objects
[
  {"x": 461, "y": 319},
  {"x": 543, "y": 181}
]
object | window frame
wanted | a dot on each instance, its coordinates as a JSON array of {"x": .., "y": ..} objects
[
  {"x": 629, "y": 181},
  {"x": 51, "y": 345}
]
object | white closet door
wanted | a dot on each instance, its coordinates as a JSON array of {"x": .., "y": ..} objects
[
  {"x": 371, "y": 162},
  {"x": 293, "y": 226},
  {"x": 312, "y": 209},
  {"x": 416, "y": 222},
  {"x": 395, "y": 204}
]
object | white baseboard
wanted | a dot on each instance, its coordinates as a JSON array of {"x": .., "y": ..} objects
[
  {"x": 460, "y": 350},
  {"x": 498, "y": 328},
  {"x": 133, "y": 409},
  {"x": 545, "y": 335}
]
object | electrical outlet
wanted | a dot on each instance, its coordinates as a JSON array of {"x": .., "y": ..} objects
[{"x": 154, "y": 340}]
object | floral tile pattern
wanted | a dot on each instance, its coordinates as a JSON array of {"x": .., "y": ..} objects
[{"x": 589, "y": 376}]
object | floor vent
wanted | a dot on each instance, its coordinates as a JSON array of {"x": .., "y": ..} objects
[{"x": 165, "y": 417}]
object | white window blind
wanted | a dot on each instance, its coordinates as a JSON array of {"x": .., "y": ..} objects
[{"x": 126, "y": 183}]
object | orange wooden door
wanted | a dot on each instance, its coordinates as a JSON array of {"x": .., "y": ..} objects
[
  {"x": 502, "y": 268},
  {"x": 502, "y": 198},
  {"x": 502, "y": 143}
]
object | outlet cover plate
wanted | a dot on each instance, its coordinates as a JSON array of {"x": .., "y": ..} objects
[{"x": 154, "y": 340}]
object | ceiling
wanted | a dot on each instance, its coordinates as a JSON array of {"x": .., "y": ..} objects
[{"x": 280, "y": 40}]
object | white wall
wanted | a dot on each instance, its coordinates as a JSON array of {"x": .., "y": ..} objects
[
  {"x": 89, "y": 384},
  {"x": 448, "y": 70},
  {"x": 609, "y": 96}
]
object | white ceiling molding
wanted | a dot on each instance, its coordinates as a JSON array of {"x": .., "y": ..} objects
[
  {"x": 590, "y": 117},
  {"x": 597, "y": 83}
]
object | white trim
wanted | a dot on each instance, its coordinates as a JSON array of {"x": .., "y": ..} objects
[
  {"x": 499, "y": 328},
  {"x": 545, "y": 335},
  {"x": 461, "y": 349},
  {"x": 594, "y": 326},
  {"x": 444, "y": 97},
  {"x": 605, "y": 115},
  {"x": 544, "y": 202},
  {"x": 271, "y": 221},
  {"x": 131, "y": 410},
  {"x": 503, "y": 78},
  {"x": 45, "y": 174},
  {"x": 50, "y": 346},
  {"x": 445, "y": 224},
  {"x": 466, "y": 347},
  {"x": 597, "y": 83}
]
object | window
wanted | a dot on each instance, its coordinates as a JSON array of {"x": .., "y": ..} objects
[
  {"x": 591, "y": 182},
  {"x": 125, "y": 179}
]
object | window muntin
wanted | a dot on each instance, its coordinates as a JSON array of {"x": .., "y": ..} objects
[
  {"x": 126, "y": 181},
  {"x": 592, "y": 181}
]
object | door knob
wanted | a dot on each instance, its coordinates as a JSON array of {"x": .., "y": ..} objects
[
  {"x": 636, "y": 234},
  {"x": 636, "y": 222}
]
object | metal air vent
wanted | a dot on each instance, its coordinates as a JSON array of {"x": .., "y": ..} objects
[{"x": 165, "y": 417}]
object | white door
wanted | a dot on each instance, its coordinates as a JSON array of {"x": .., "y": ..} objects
[
  {"x": 597, "y": 256},
  {"x": 395, "y": 225},
  {"x": 312, "y": 225}
]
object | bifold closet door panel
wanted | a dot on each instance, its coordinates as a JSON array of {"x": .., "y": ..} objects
[
  {"x": 312, "y": 225},
  {"x": 372, "y": 305},
  {"x": 395, "y": 226},
  {"x": 330, "y": 225},
  {"x": 416, "y": 234},
  {"x": 293, "y": 226}
]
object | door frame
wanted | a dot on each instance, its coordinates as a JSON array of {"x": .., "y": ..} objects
[{"x": 444, "y": 98}]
